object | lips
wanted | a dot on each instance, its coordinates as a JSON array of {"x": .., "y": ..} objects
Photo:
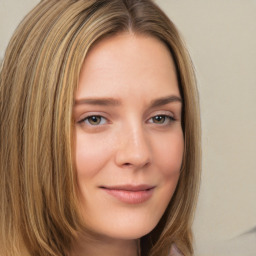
[{"x": 131, "y": 194}]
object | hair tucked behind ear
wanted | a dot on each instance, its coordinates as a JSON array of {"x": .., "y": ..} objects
[{"x": 39, "y": 212}]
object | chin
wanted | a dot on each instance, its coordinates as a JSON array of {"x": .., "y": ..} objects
[
  {"x": 126, "y": 228},
  {"x": 132, "y": 233}
]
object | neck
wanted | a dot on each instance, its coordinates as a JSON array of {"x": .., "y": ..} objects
[{"x": 104, "y": 245}]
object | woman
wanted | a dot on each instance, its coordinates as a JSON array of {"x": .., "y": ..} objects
[{"x": 100, "y": 136}]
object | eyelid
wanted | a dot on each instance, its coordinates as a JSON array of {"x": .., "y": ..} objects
[
  {"x": 167, "y": 114},
  {"x": 92, "y": 114},
  {"x": 162, "y": 113},
  {"x": 171, "y": 119}
]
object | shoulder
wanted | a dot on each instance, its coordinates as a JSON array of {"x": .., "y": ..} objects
[{"x": 175, "y": 251}]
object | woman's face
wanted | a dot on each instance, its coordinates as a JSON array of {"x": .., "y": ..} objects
[{"x": 129, "y": 139}]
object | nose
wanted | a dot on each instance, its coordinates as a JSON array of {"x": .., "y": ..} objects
[{"x": 134, "y": 149}]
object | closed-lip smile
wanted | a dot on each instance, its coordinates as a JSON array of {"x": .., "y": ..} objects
[{"x": 131, "y": 194}]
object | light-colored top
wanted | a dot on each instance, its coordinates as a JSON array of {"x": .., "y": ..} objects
[{"x": 175, "y": 251}]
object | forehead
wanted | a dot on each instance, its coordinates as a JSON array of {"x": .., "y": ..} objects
[{"x": 126, "y": 63}]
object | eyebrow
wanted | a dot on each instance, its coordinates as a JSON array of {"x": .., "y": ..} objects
[
  {"x": 115, "y": 102},
  {"x": 165, "y": 100},
  {"x": 99, "y": 101}
]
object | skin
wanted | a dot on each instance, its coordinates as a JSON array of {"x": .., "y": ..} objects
[{"x": 135, "y": 137}]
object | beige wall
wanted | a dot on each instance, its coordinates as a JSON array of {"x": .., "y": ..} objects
[{"x": 221, "y": 36}]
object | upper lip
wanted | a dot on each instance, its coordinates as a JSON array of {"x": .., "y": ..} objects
[{"x": 129, "y": 187}]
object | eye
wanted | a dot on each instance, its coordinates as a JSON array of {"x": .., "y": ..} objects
[
  {"x": 94, "y": 120},
  {"x": 161, "y": 119}
]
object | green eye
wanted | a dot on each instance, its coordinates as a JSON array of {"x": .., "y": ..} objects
[
  {"x": 94, "y": 120},
  {"x": 159, "y": 119}
]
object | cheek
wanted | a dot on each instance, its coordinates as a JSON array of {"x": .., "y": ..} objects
[
  {"x": 169, "y": 153},
  {"x": 88, "y": 149}
]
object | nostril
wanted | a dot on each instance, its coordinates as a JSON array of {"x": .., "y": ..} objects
[
  {"x": 130, "y": 164},
  {"x": 133, "y": 154}
]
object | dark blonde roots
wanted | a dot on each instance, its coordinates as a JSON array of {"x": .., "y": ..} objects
[{"x": 39, "y": 75}]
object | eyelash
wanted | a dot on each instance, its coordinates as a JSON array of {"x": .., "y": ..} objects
[
  {"x": 167, "y": 120},
  {"x": 90, "y": 117}
]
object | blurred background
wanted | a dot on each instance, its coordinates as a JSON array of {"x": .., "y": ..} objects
[{"x": 221, "y": 38}]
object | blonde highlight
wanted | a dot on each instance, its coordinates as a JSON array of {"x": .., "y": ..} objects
[{"x": 39, "y": 212}]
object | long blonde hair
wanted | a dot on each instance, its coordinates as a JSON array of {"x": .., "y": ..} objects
[{"x": 39, "y": 75}]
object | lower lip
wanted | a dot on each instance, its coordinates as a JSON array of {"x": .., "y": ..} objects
[{"x": 131, "y": 197}]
